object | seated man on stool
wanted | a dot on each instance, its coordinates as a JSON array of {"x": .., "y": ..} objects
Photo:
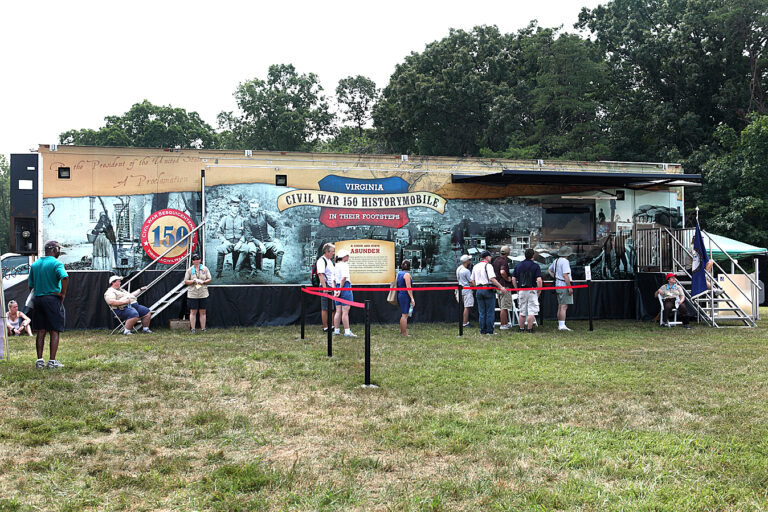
[
  {"x": 672, "y": 296},
  {"x": 125, "y": 306}
]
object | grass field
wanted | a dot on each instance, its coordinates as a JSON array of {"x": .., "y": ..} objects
[{"x": 629, "y": 417}]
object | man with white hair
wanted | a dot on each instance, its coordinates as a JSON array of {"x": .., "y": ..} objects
[
  {"x": 126, "y": 307},
  {"x": 464, "y": 277}
]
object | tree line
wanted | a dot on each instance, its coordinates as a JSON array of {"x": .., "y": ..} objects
[{"x": 643, "y": 80}]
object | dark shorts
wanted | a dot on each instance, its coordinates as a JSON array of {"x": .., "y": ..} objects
[
  {"x": 323, "y": 303},
  {"x": 48, "y": 314},
  {"x": 135, "y": 310},
  {"x": 197, "y": 303}
]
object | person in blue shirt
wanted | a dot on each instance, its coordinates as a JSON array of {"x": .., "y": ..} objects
[
  {"x": 527, "y": 274},
  {"x": 48, "y": 283}
]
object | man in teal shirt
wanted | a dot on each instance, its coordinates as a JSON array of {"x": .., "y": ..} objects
[{"x": 48, "y": 282}]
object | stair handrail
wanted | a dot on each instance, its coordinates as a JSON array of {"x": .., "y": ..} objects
[
  {"x": 187, "y": 238},
  {"x": 710, "y": 275},
  {"x": 733, "y": 261}
]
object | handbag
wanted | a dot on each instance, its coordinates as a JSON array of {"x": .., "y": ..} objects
[
  {"x": 30, "y": 302},
  {"x": 392, "y": 296}
]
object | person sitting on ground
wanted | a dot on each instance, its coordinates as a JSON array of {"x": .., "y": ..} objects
[
  {"x": 673, "y": 296},
  {"x": 464, "y": 277},
  {"x": 342, "y": 277},
  {"x": 126, "y": 307},
  {"x": 17, "y": 322}
]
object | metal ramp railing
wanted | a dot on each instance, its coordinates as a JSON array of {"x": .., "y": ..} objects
[
  {"x": 713, "y": 306},
  {"x": 179, "y": 289}
]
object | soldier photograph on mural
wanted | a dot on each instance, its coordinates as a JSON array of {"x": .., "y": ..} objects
[
  {"x": 230, "y": 235},
  {"x": 259, "y": 244}
]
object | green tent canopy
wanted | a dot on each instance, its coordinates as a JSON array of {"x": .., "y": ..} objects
[{"x": 734, "y": 248}]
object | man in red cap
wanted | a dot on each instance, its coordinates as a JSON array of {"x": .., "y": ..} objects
[{"x": 672, "y": 296}]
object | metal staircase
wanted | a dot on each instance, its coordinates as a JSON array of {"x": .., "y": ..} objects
[
  {"x": 179, "y": 289},
  {"x": 714, "y": 307}
]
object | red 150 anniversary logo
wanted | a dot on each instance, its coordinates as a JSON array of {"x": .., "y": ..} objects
[{"x": 164, "y": 228}]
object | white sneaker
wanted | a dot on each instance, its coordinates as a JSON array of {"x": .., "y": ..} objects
[
  {"x": 504, "y": 327},
  {"x": 191, "y": 331},
  {"x": 40, "y": 364},
  {"x": 350, "y": 335},
  {"x": 126, "y": 332},
  {"x": 146, "y": 330},
  {"x": 466, "y": 324},
  {"x": 54, "y": 365},
  {"x": 563, "y": 328},
  {"x": 336, "y": 332}
]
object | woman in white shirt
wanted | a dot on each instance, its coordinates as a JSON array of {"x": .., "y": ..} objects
[{"x": 342, "y": 281}]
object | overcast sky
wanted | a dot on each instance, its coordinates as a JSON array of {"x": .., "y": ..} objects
[{"x": 67, "y": 65}]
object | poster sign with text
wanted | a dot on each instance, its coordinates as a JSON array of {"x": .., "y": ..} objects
[{"x": 370, "y": 261}]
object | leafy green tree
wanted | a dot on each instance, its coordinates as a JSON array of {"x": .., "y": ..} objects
[
  {"x": 285, "y": 112},
  {"x": 534, "y": 93},
  {"x": 150, "y": 126},
  {"x": 5, "y": 204},
  {"x": 357, "y": 95},
  {"x": 349, "y": 140},
  {"x": 734, "y": 197},
  {"x": 678, "y": 69}
]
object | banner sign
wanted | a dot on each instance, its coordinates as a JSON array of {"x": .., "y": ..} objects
[
  {"x": 350, "y": 201},
  {"x": 370, "y": 261}
]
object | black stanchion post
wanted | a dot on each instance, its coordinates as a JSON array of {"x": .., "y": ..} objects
[
  {"x": 589, "y": 299},
  {"x": 331, "y": 308},
  {"x": 368, "y": 342},
  {"x": 461, "y": 311},
  {"x": 303, "y": 313}
]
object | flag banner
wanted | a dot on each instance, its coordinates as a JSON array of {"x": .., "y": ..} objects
[{"x": 700, "y": 259}]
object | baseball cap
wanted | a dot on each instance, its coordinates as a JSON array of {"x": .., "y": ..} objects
[
  {"x": 670, "y": 274},
  {"x": 465, "y": 257},
  {"x": 342, "y": 253},
  {"x": 52, "y": 243},
  {"x": 114, "y": 278},
  {"x": 196, "y": 257},
  {"x": 484, "y": 254}
]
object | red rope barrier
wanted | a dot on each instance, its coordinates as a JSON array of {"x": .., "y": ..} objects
[
  {"x": 309, "y": 289},
  {"x": 434, "y": 288},
  {"x": 337, "y": 299}
]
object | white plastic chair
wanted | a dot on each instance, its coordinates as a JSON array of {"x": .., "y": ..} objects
[{"x": 661, "y": 315}]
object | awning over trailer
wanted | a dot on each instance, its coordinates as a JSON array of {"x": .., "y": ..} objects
[{"x": 603, "y": 179}]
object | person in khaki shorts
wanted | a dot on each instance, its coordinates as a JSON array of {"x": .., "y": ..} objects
[
  {"x": 501, "y": 269},
  {"x": 527, "y": 274},
  {"x": 197, "y": 278}
]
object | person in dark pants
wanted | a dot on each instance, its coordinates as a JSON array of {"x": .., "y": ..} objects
[
  {"x": 483, "y": 275},
  {"x": 672, "y": 295},
  {"x": 48, "y": 283}
]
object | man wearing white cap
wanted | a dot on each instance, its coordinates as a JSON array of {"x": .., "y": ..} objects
[
  {"x": 464, "y": 277},
  {"x": 125, "y": 306}
]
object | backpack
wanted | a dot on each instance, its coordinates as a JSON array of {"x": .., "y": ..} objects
[{"x": 315, "y": 279}]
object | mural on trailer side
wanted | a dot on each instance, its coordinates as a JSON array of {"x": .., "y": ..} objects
[{"x": 120, "y": 208}]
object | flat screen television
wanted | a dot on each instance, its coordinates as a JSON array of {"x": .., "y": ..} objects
[{"x": 568, "y": 223}]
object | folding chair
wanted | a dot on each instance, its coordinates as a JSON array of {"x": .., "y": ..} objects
[
  {"x": 120, "y": 323},
  {"x": 661, "y": 315},
  {"x": 516, "y": 310}
]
